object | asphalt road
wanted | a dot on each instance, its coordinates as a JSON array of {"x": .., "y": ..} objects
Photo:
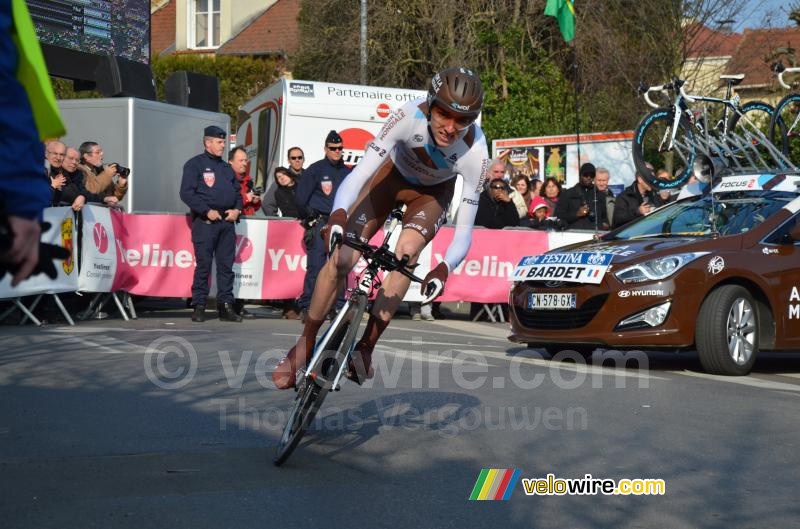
[{"x": 108, "y": 425}]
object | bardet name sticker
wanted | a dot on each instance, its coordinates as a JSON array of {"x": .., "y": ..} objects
[{"x": 578, "y": 267}]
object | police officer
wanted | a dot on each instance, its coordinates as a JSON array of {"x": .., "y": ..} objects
[
  {"x": 210, "y": 189},
  {"x": 314, "y": 196}
]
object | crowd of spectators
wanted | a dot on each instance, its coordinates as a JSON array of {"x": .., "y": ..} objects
[
  {"x": 545, "y": 205},
  {"x": 79, "y": 176}
]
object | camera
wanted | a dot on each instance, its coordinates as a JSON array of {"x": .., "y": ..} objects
[
  {"x": 258, "y": 191},
  {"x": 124, "y": 172}
]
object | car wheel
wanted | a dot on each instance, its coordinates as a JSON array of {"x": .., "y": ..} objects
[
  {"x": 584, "y": 350},
  {"x": 727, "y": 331}
]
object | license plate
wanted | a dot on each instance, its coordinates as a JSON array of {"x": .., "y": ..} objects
[{"x": 551, "y": 301}]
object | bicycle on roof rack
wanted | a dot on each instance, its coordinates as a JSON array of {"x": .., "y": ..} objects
[
  {"x": 785, "y": 125},
  {"x": 679, "y": 140},
  {"x": 332, "y": 351}
]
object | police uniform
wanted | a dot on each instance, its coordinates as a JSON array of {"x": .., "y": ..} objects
[
  {"x": 314, "y": 193},
  {"x": 210, "y": 183}
]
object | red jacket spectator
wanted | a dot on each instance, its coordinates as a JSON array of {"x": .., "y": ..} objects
[
  {"x": 237, "y": 158},
  {"x": 246, "y": 187}
]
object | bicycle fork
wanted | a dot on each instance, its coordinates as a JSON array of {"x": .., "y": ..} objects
[{"x": 353, "y": 309}]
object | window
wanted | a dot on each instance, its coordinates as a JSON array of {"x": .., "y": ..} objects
[{"x": 204, "y": 23}]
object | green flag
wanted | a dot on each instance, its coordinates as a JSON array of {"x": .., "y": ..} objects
[{"x": 564, "y": 12}]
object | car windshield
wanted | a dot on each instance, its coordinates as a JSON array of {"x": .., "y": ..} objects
[{"x": 734, "y": 213}]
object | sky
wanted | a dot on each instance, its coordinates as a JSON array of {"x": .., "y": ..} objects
[{"x": 765, "y": 13}]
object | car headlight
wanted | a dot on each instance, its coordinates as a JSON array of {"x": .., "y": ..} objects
[{"x": 656, "y": 269}]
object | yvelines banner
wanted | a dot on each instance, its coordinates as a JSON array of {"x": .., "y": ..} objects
[{"x": 152, "y": 255}]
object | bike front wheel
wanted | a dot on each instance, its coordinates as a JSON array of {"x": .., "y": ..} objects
[
  {"x": 754, "y": 123},
  {"x": 664, "y": 161},
  {"x": 784, "y": 130},
  {"x": 319, "y": 379}
]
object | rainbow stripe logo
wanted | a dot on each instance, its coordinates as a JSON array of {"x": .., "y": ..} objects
[{"x": 495, "y": 484}]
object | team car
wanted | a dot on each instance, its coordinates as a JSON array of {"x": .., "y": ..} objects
[{"x": 718, "y": 272}]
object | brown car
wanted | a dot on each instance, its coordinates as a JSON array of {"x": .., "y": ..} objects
[{"x": 718, "y": 272}]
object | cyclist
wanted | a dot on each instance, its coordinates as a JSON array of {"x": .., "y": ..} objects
[{"x": 414, "y": 160}]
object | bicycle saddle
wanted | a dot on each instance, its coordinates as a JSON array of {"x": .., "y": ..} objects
[{"x": 733, "y": 79}]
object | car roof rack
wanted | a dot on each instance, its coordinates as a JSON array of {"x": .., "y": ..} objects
[{"x": 739, "y": 152}]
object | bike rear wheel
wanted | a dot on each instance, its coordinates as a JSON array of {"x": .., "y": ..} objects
[
  {"x": 754, "y": 122},
  {"x": 786, "y": 125},
  {"x": 314, "y": 389},
  {"x": 653, "y": 144}
]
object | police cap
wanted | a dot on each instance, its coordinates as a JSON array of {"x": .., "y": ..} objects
[{"x": 214, "y": 132}]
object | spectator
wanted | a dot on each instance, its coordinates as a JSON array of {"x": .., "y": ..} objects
[
  {"x": 285, "y": 192},
  {"x": 73, "y": 191},
  {"x": 521, "y": 195},
  {"x": 237, "y": 159},
  {"x": 497, "y": 169},
  {"x": 536, "y": 187},
  {"x": 579, "y": 206},
  {"x": 99, "y": 178},
  {"x": 210, "y": 189},
  {"x": 314, "y": 198},
  {"x": 284, "y": 197},
  {"x": 296, "y": 159},
  {"x": 635, "y": 201},
  {"x": 496, "y": 210},
  {"x": 601, "y": 183},
  {"x": 421, "y": 311},
  {"x": 665, "y": 194},
  {"x": 54, "y": 154},
  {"x": 540, "y": 220},
  {"x": 551, "y": 192}
]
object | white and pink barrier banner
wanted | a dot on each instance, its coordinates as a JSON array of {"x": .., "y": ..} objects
[{"x": 152, "y": 255}]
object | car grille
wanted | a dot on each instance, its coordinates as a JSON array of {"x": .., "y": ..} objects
[{"x": 561, "y": 319}]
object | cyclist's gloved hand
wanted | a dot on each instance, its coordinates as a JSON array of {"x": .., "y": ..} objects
[
  {"x": 47, "y": 254},
  {"x": 433, "y": 284},
  {"x": 333, "y": 229}
]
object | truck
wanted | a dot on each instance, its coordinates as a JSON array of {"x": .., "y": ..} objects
[
  {"x": 295, "y": 113},
  {"x": 151, "y": 138}
]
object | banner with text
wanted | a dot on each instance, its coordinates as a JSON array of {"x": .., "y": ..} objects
[{"x": 152, "y": 255}]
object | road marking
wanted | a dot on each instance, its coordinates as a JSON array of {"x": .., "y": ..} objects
[
  {"x": 112, "y": 345},
  {"x": 432, "y": 359},
  {"x": 749, "y": 380},
  {"x": 792, "y": 375},
  {"x": 500, "y": 331},
  {"x": 418, "y": 343},
  {"x": 89, "y": 330},
  {"x": 472, "y": 333}
]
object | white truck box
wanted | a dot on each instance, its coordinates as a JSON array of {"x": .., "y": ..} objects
[
  {"x": 299, "y": 113},
  {"x": 153, "y": 139}
]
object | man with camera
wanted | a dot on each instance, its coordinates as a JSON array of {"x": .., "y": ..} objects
[
  {"x": 210, "y": 188},
  {"x": 251, "y": 197},
  {"x": 105, "y": 180},
  {"x": 637, "y": 200},
  {"x": 581, "y": 206},
  {"x": 314, "y": 197}
]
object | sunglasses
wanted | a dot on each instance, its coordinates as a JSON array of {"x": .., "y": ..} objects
[
  {"x": 498, "y": 187},
  {"x": 339, "y": 148},
  {"x": 295, "y": 157}
]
